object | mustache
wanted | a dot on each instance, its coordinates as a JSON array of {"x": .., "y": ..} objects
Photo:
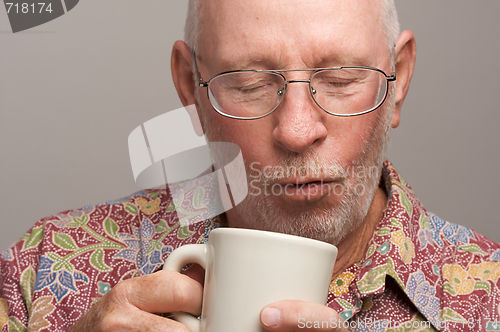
[{"x": 293, "y": 168}]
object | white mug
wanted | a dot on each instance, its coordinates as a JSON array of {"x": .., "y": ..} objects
[{"x": 246, "y": 270}]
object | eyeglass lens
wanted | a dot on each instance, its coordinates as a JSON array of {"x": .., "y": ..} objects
[{"x": 250, "y": 94}]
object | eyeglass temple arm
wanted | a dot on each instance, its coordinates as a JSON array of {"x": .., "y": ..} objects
[
  {"x": 392, "y": 78},
  {"x": 201, "y": 83}
]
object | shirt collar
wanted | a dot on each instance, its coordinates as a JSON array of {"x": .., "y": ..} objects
[{"x": 392, "y": 251}]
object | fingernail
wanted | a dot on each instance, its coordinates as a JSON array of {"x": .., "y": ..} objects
[{"x": 271, "y": 317}]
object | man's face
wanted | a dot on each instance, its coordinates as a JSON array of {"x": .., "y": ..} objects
[{"x": 337, "y": 156}]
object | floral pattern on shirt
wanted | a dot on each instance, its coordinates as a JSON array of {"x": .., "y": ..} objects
[
  {"x": 66, "y": 262},
  {"x": 420, "y": 273}
]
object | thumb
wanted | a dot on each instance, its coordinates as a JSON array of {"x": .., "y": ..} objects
[{"x": 293, "y": 315}]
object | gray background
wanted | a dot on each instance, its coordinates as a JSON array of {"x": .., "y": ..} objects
[{"x": 72, "y": 90}]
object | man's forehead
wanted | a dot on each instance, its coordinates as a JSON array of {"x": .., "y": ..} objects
[{"x": 238, "y": 31}]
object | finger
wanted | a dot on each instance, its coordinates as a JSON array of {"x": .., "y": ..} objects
[
  {"x": 126, "y": 318},
  {"x": 293, "y": 315},
  {"x": 163, "y": 291},
  {"x": 197, "y": 273}
]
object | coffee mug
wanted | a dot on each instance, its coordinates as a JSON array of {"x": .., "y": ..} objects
[{"x": 245, "y": 270}]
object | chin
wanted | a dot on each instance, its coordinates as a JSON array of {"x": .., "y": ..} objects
[{"x": 328, "y": 224}]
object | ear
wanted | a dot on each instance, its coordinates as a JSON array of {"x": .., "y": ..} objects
[
  {"x": 181, "y": 66},
  {"x": 406, "y": 52}
]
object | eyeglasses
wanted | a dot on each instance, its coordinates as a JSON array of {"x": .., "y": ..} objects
[{"x": 254, "y": 94}]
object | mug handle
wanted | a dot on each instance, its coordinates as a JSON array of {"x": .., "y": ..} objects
[{"x": 180, "y": 257}]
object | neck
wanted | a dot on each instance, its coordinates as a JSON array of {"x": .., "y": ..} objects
[{"x": 353, "y": 247}]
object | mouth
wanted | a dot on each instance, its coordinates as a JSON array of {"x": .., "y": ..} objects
[
  {"x": 310, "y": 180},
  {"x": 306, "y": 190}
]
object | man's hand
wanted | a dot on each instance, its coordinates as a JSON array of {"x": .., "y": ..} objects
[
  {"x": 131, "y": 305},
  {"x": 294, "y": 315}
]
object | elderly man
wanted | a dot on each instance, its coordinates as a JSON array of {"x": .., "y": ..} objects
[{"x": 298, "y": 85}]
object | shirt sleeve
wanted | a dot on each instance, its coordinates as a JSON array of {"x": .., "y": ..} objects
[{"x": 17, "y": 279}]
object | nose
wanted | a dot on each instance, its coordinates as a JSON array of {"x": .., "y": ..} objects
[{"x": 299, "y": 122}]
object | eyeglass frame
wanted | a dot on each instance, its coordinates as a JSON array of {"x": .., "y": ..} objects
[{"x": 204, "y": 84}]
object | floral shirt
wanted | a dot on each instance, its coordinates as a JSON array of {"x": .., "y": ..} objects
[{"x": 420, "y": 273}]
